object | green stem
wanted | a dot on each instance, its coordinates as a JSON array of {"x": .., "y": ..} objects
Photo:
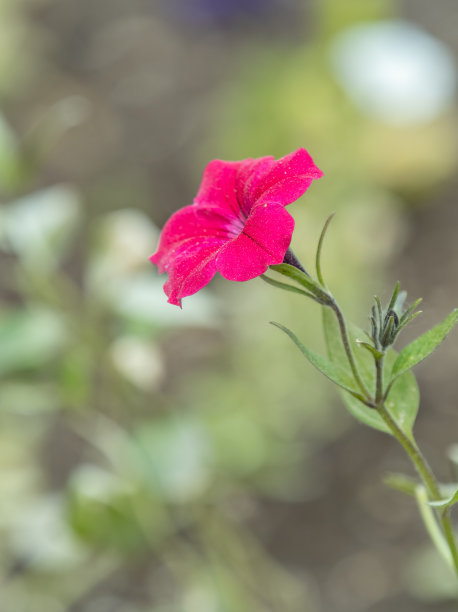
[
  {"x": 348, "y": 350},
  {"x": 379, "y": 379},
  {"x": 409, "y": 445},
  {"x": 427, "y": 476},
  {"x": 414, "y": 453},
  {"x": 450, "y": 536},
  {"x": 432, "y": 527}
]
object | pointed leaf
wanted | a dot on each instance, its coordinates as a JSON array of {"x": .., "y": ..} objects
[
  {"x": 319, "y": 274},
  {"x": 403, "y": 400},
  {"x": 423, "y": 346},
  {"x": 402, "y": 483},
  {"x": 331, "y": 370},
  {"x": 376, "y": 354},
  {"x": 285, "y": 286},
  {"x": 394, "y": 296},
  {"x": 447, "y": 502},
  {"x": 406, "y": 315}
]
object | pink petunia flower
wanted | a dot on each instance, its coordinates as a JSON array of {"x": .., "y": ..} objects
[{"x": 237, "y": 225}]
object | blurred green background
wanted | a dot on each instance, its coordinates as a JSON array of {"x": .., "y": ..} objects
[{"x": 158, "y": 460}]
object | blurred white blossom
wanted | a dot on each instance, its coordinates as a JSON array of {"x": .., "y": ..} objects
[
  {"x": 395, "y": 71},
  {"x": 139, "y": 361}
]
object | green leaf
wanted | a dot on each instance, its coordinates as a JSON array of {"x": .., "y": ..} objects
[
  {"x": 319, "y": 274},
  {"x": 374, "y": 352},
  {"x": 331, "y": 370},
  {"x": 423, "y": 346},
  {"x": 432, "y": 526},
  {"x": 447, "y": 502},
  {"x": 402, "y": 483},
  {"x": 403, "y": 400}
]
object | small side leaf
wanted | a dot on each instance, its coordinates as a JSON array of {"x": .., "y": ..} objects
[
  {"x": 331, "y": 370},
  {"x": 402, "y": 483},
  {"x": 432, "y": 527},
  {"x": 447, "y": 502},
  {"x": 423, "y": 346}
]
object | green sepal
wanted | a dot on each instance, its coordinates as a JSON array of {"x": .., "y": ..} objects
[
  {"x": 409, "y": 320},
  {"x": 423, "y": 346},
  {"x": 394, "y": 296},
  {"x": 333, "y": 371},
  {"x": 403, "y": 400},
  {"x": 374, "y": 352},
  {"x": 407, "y": 315},
  {"x": 304, "y": 280},
  {"x": 286, "y": 287}
]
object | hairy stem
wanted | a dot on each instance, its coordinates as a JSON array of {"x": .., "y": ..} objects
[
  {"x": 348, "y": 349},
  {"x": 409, "y": 445},
  {"x": 427, "y": 476},
  {"x": 379, "y": 379}
]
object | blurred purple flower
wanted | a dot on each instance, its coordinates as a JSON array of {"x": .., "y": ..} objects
[{"x": 219, "y": 11}]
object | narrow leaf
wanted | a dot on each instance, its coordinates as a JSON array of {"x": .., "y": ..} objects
[
  {"x": 376, "y": 354},
  {"x": 409, "y": 320},
  {"x": 402, "y": 483},
  {"x": 285, "y": 286},
  {"x": 431, "y": 524},
  {"x": 447, "y": 502},
  {"x": 423, "y": 346},
  {"x": 410, "y": 309},
  {"x": 379, "y": 310},
  {"x": 394, "y": 296},
  {"x": 331, "y": 370},
  {"x": 318, "y": 251}
]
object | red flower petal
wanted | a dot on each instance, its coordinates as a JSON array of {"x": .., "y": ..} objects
[
  {"x": 250, "y": 173},
  {"x": 263, "y": 242},
  {"x": 218, "y": 189},
  {"x": 187, "y": 249},
  {"x": 285, "y": 180},
  {"x": 193, "y": 269},
  {"x": 191, "y": 226}
]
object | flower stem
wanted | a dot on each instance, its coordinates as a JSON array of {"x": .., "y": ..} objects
[
  {"x": 427, "y": 476},
  {"x": 415, "y": 455},
  {"x": 409, "y": 444},
  {"x": 347, "y": 347},
  {"x": 431, "y": 524},
  {"x": 450, "y": 537}
]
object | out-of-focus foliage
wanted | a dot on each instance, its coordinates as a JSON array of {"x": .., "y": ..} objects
[
  {"x": 146, "y": 453},
  {"x": 152, "y": 472}
]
